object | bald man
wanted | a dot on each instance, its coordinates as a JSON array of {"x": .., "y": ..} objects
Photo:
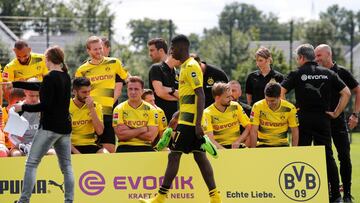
[{"x": 339, "y": 128}]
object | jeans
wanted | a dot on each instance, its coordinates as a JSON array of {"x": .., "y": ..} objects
[{"x": 42, "y": 142}]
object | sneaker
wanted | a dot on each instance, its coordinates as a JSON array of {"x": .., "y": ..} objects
[
  {"x": 157, "y": 199},
  {"x": 209, "y": 147},
  {"x": 348, "y": 198},
  {"x": 164, "y": 140},
  {"x": 336, "y": 200}
]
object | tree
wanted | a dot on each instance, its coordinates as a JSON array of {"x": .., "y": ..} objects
[{"x": 143, "y": 30}]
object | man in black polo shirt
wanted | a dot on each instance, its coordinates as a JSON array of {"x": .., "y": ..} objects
[
  {"x": 339, "y": 130},
  {"x": 162, "y": 77},
  {"x": 211, "y": 75},
  {"x": 257, "y": 80},
  {"x": 313, "y": 88}
]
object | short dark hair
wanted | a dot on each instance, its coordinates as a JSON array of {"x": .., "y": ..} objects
[
  {"x": 307, "y": 51},
  {"x": 105, "y": 41},
  {"x": 159, "y": 43},
  {"x": 146, "y": 93},
  {"x": 81, "y": 82},
  {"x": 219, "y": 88},
  {"x": 181, "y": 39},
  {"x": 135, "y": 79},
  {"x": 272, "y": 89},
  {"x": 20, "y": 44}
]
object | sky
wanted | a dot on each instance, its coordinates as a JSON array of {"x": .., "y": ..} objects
[{"x": 192, "y": 16}]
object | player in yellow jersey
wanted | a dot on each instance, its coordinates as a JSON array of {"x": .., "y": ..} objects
[
  {"x": 148, "y": 96},
  {"x": 223, "y": 118},
  {"x": 271, "y": 118},
  {"x": 189, "y": 132},
  {"x": 87, "y": 119},
  {"x": 105, "y": 74},
  {"x": 134, "y": 120},
  {"x": 26, "y": 65}
]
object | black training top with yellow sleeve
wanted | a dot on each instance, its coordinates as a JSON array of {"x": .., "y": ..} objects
[
  {"x": 273, "y": 125},
  {"x": 142, "y": 116},
  {"x": 103, "y": 78},
  {"x": 83, "y": 131},
  {"x": 225, "y": 125},
  {"x": 190, "y": 79},
  {"x": 15, "y": 71}
]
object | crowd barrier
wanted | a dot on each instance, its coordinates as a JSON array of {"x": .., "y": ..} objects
[{"x": 296, "y": 174}]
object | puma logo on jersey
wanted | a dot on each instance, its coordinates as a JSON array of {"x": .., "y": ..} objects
[{"x": 316, "y": 89}]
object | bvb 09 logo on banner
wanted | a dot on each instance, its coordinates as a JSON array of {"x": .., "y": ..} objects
[{"x": 299, "y": 181}]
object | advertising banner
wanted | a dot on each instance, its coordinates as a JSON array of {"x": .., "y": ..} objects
[{"x": 286, "y": 174}]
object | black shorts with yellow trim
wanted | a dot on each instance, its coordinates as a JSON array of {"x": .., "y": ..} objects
[
  {"x": 130, "y": 148},
  {"x": 108, "y": 136},
  {"x": 88, "y": 149},
  {"x": 185, "y": 140}
]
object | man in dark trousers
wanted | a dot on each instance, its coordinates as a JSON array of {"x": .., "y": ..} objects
[
  {"x": 163, "y": 77},
  {"x": 211, "y": 75},
  {"x": 339, "y": 129},
  {"x": 313, "y": 88}
]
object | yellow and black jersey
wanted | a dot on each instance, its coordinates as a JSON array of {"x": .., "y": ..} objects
[
  {"x": 161, "y": 119},
  {"x": 103, "y": 78},
  {"x": 273, "y": 125},
  {"x": 15, "y": 71},
  {"x": 190, "y": 79},
  {"x": 83, "y": 132},
  {"x": 225, "y": 125},
  {"x": 144, "y": 115}
]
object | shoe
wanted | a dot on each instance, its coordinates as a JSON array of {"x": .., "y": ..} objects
[
  {"x": 164, "y": 140},
  {"x": 348, "y": 198},
  {"x": 215, "y": 198},
  {"x": 157, "y": 199},
  {"x": 336, "y": 200},
  {"x": 209, "y": 147}
]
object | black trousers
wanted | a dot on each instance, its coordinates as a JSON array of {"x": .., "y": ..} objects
[
  {"x": 340, "y": 136},
  {"x": 316, "y": 127}
]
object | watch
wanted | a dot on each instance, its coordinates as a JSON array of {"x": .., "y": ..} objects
[
  {"x": 172, "y": 91},
  {"x": 356, "y": 115}
]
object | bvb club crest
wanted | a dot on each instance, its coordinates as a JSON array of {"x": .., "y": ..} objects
[{"x": 210, "y": 81}]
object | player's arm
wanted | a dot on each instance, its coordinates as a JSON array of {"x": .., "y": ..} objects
[
  {"x": 344, "y": 98},
  {"x": 150, "y": 134},
  {"x": 294, "y": 136},
  {"x": 242, "y": 137},
  {"x": 97, "y": 123},
  {"x": 163, "y": 92},
  {"x": 124, "y": 133},
  {"x": 253, "y": 135},
  {"x": 211, "y": 136},
  {"x": 283, "y": 92},
  {"x": 199, "y": 92},
  {"x": 353, "y": 120},
  {"x": 117, "y": 90}
]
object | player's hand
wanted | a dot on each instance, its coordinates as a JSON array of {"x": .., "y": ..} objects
[
  {"x": 333, "y": 115},
  {"x": 199, "y": 131},
  {"x": 353, "y": 122},
  {"x": 17, "y": 107},
  {"x": 89, "y": 102}
]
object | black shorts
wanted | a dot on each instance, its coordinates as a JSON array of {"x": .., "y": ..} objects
[
  {"x": 230, "y": 146},
  {"x": 128, "y": 148},
  {"x": 88, "y": 149},
  {"x": 108, "y": 136},
  {"x": 185, "y": 140}
]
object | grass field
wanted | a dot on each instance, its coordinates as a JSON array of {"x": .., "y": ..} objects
[{"x": 355, "y": 158}]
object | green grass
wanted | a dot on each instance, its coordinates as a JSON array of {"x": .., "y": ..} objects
[{"x": 355, "y": 159}]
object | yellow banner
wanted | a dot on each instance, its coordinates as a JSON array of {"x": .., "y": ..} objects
[{"x": 296, "y": 174}]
